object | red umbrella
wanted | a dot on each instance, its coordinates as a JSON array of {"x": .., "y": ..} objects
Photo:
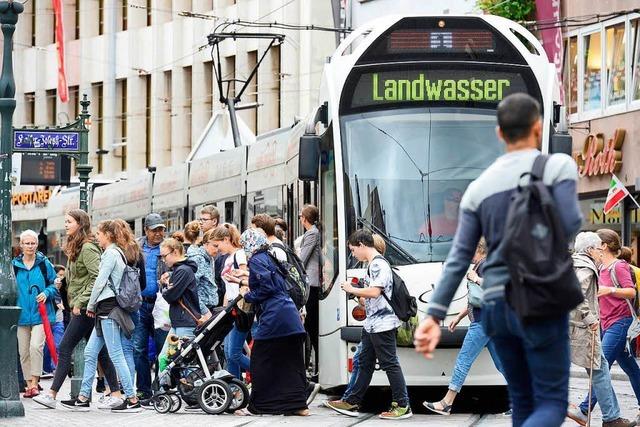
[{"x": 47, "y": 332}]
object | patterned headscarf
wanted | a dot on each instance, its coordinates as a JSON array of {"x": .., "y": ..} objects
[{"x": 252, "y": 240}]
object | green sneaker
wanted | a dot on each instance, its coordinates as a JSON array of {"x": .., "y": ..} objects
[
  {"x": 343, "y": 407},
  {"x": 397, "y": 412}
]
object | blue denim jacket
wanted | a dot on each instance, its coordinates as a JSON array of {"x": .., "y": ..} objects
[{"x": 111, "y": 269}]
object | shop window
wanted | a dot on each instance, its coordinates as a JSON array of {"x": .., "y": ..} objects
[
  {"x": 592, "y": 71},
  {"x": 570, "y": 77},
  {"x": 615, "y": 51},
  {"x": 595, "y": 218},
  {"x": 634, "y": 238},
  {"x": 635, "y": 66}
]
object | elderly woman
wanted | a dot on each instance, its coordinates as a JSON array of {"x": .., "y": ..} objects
[
  {"x": 585, "y": 327},
  {"x": 34, "y": 279},
  {"x": 277, "y": 359}
]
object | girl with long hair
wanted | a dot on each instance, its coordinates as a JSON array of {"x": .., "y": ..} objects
[
  {"x": 113, "y": 324},
  {"x": 226, "y": 238},
  {"x": 207, "y": 289},
  {"x": 82, "y": 269}
]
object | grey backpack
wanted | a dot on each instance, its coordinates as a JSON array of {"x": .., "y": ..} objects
[{"x": 129, "y": 297}]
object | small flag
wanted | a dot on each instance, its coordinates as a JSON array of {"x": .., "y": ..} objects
[{"x": 617, "y": 192}]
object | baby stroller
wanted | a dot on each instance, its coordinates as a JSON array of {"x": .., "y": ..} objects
[{"x": 194, "y": 374}]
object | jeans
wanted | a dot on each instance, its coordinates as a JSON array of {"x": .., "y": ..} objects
[
  {"x": 144, "y": 328},
  {"x": 614, "y": 341},
  {"x": 233, "y": 351},
  {"x": 381, "y": 345},
  {"x": 58, "y": 332},
  {"x": 112, "y": 337},
  {"x": 79, "y": 327},
  {"x": 473, "y": 343},
  {"x": 354, "y": 374},
  {"x": 535, "y": 360},
  {"x": 604, "y": 392}
]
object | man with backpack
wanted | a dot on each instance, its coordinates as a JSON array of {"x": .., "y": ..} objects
[
  {"x": 378, "y": 339},
  {"x": 529, "y": 331}
]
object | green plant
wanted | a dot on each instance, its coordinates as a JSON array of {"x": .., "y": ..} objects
[{"x": 516, "y": 10}]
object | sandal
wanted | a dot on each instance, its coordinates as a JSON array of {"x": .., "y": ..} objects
[
  {"x": 31, "y": 392},
  {"x": 302, "y": 413},
  {"x": 446, "y": 408}
]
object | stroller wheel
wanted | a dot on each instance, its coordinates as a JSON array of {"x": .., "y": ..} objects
[
  {"x": 214, "y": 396},
  {"x": 176, "y": 403},
  {"x": 239, "y": 395},
  {"x": 162, "y": 403}
]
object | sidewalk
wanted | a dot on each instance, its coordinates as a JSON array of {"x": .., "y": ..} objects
[{"x": 617, "y": 374}]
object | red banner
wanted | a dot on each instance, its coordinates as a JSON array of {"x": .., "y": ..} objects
[
  {"x": 63, "y": 91},
  {"x": 548, "y": 14}
]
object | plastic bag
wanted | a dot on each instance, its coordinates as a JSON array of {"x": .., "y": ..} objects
[{"x": 160, "y": 314}]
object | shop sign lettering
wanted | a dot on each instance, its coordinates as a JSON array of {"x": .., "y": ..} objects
[
  {"x": 599, "y": 157},
  {"x": 40, "y": 197}
]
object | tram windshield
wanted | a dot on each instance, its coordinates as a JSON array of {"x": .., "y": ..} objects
[{"x": 407, "y": 170}]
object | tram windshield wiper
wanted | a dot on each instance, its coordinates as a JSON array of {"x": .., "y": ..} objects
[{"x": 397, "y": 248}]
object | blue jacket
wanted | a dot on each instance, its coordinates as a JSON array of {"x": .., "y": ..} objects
[
  {"x": 30, "y": 283},
  {"x": 278, "y": 316},
  {"x": 151, "y": 260}
]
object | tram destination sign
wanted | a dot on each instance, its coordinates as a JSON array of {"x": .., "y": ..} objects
[
  {"x": 46, "y": 141},
  {"x": 442, "y": 86}
]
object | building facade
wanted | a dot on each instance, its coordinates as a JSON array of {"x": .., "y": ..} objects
[
  {"x": 148, "y": 71},
  {"x": 602, "y": 94}
]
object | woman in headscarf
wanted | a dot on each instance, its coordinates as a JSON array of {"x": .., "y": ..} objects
[{"x": 277, "y": 359}]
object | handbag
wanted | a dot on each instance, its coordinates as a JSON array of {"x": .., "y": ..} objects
[
  {"x": 474, "y": 291},
  {"x": 634, "y": 329},
  {"x": 197, "y": 319}
]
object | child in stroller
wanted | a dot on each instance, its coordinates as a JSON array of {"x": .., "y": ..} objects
[{"x": 193, "y": 373}]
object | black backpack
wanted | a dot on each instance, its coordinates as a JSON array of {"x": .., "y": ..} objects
[
  {"x": 403, "y": 304},
  {"x": 536, "y": 251},
  {"x": 294, "y": 273}
]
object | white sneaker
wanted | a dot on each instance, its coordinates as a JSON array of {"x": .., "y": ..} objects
[
  {"x": 46, "y": 400},
  {"x": 109, "y": 402}
]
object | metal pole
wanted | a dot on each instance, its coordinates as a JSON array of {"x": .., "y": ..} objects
[
  {"x": 10, "y": 404},
  {"x": 234, "y": 122},
  {"x": 84, "y": 169}
]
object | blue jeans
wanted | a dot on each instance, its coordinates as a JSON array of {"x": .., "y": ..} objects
[
  {"x": 112, "y": 337},
  {"x": 354, "y": 373},
  {"x": 380, "y": 346},
  {"x": 614, "y": 342},
  {"x": 143, "y": 329},
  {"x": 473, "y": 343},
  {"x": 604, "y": 392},
  {"x": 233, "y": 351},
  {"x": 58, "y": 332},
  {"x": 535, "y": 360}
]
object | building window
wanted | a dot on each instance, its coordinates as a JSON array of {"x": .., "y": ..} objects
[
  {"x": 208, "y": 85},
  {"x": 188, "y": 94},
  {"x": 592, "y": 74},
  {"x": 74, "y": 103},
  {"x": 615, "y": 50},
  {"x": 570, "y": 77},
  {"x": 125, "y": 14},
  {"x": 52, "y": 111},
  {"x": 149, "y": 17},
  {"x": 30, "y": 108},
  {"x": 123, "y": 124},
  {"x": 99, "y": 120},
  {"x": 230, "y": 76},
  {"x": 77, "y": 14},
  {"x": 635, "y": 65},
  {"x": 100, "y": 17},
  {"x": 147, "y": 120}
]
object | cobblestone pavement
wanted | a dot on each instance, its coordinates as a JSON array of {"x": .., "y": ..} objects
[{"x": 40, "y": 416}]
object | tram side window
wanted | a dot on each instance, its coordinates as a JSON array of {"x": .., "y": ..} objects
[
  {"x": 328, "y": 213},
  {"x": 267, "y": 201}
]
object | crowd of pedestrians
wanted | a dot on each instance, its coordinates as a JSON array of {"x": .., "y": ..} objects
[{"x": 185, "y": 277}]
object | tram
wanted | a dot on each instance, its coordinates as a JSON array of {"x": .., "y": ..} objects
[{"x": 406, "y": 120}]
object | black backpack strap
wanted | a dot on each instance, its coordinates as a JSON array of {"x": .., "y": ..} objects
[{"x": 537, "y": 170}]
